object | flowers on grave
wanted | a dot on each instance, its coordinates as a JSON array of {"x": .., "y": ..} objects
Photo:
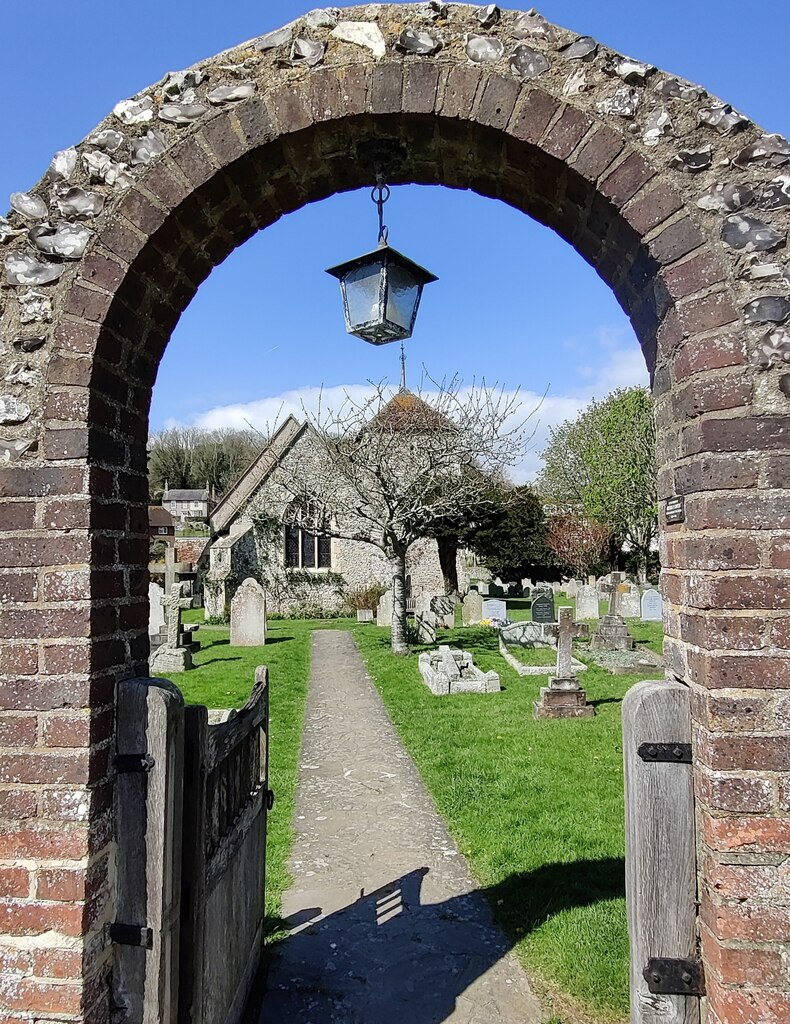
[{"x": 495, "y": 622}]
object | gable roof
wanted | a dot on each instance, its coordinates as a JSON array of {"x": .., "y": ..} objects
[
  {"x": 186, "y": 495},
  {"x": 158, "y": 516},
  {"x": 253, "y": 476}
]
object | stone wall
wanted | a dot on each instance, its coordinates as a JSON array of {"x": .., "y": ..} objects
[{"x": 680, "y": 205}]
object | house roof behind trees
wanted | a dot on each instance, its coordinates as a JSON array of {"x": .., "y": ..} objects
[{"x": 186, "y": 495}]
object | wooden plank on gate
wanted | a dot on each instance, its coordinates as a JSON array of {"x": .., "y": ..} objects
[
  {"x": 661, "y": 873},
  {"x": 148, "y": 795}
]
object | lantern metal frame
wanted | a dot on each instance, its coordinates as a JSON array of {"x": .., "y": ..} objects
[{"x": 379, "y": 328}]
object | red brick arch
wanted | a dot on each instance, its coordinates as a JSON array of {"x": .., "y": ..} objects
[{"x": 73, "y": 489}]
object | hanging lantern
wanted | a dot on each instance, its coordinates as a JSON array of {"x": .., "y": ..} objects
[{"x": 381, "y": 290}]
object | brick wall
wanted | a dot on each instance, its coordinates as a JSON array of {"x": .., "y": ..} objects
[{"x": 73, "y": 489}]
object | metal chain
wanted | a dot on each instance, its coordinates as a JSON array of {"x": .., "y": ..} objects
[{"x": 380, "y": 194}]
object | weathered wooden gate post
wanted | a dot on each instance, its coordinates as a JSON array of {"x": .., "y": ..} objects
[
  {"x": 660, "y": 879},
  {"x": 148, "y": 809}
]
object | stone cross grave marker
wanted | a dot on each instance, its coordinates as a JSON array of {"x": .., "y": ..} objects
[
  {"x": 172, "y": 656},
  {"x": 567, "y": 631},
  {"x": 473, "y": 608},
  {"x": 493, "y": 608},
  {"x": 652, "y": 606},
  {"x": 248, "y": 615},
  {"x": 174, "y": 604},
  {"x": 543, "y": 608},
  {"x": 563, "y": 697}
]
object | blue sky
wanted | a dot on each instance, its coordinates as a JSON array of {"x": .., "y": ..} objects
[{"x": 514, "y": 303}]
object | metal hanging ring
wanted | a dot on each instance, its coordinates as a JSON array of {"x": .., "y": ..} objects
[{"x": 380, "y": 194}]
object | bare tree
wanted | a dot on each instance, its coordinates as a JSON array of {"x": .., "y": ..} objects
[
  {"x": 388, "y": 470},
  {"x": 578, "y": 541}
]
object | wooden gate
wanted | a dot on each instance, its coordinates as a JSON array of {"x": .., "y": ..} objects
[
  {"x": 226, "y": 799},
  {"x": 191, "y": 798}
]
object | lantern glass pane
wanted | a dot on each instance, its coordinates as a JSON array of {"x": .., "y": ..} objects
[
  {"x": 363, "y": 294},
  {"x": 403, "y": 294}
]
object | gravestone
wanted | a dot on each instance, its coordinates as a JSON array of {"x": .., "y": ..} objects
[
  {"x": 494, "y": 609},
  {"x": 384, "y": 610},
  {"x": 587, "y": 603},
  {"x": 156, "y": 613},
  {"x": 543, "y": 608},
  {"x": 364, "y": 615},
  {"x": 629, "y": 601},
  {"x": 591, "y": 581},
  {"x": 572, "y": 588},
  {"x": 652, "y": 606},
  {"x": 495, "y": 590},
  {"x": 443, "y": 607},
  {"x": 612, "y": 633},
  {"x": 425, "y": 624},
  {"x": 448, "y": 671},
  {"x": 175, "y": 654},
  {"x": 563, "y": 697},
  {"x": 248, "y": 615},
  {"x": 472, "y": 611}
]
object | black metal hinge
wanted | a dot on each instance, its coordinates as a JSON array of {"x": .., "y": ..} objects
[
  {"x": 126, "y": 763},
  {"x": 675, "y": 977},
  {"x": 677, "y": 753},
  {"x": 132, "y": 935},
  {"x": 268, "y": 799}
]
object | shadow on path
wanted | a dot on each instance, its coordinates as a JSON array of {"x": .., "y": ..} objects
[{"x": 389, "y": 958}]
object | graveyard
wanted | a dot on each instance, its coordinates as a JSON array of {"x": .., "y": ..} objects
[
  {"x": 360, "y": 681},
  {"x": 553, "y": 788}
]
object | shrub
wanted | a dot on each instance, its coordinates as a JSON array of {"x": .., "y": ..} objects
[{"x": 365, "y": 597}]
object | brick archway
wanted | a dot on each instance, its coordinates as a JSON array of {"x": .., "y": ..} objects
[{"x": 679, "y": 204}]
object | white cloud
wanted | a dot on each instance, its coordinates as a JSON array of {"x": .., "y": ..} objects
[{"x": 609, "y": 360}]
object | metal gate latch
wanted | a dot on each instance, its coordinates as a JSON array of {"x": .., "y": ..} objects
[
  {"x": 675, "y": 977},
  {"x": 677, "y": 753},
  {"x": 132, "y": 935},
  {"x": 126, "y": 764}
]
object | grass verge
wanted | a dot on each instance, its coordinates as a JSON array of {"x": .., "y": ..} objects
[
  {"x": 223, "y": 678},
  {"x": 536, "y": 807}
]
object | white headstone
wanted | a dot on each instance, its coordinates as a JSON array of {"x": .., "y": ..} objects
[
  {"x": 384, "y": 610},
  {"x": 572, "y": 588},
  {"x": 587, "y": 603},
  {"x": 652, "y": 606},
  {"x": 425, "y": 624},
  {"x": 473, "y": 608},
  {"x": 156, "y": 613},
  {"x": 630, "y": 602},
  {"x": 248, "y": 615},
  {"x": 493, "y": 608}
]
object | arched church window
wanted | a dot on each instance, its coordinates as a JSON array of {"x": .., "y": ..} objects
[{"x": 308, "y": 544}]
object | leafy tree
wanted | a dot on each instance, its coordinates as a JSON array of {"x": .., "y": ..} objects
[
  {"x": 188, "y": 458},
  {"x": 603, "y": 465},
  {"x": 512, "y": 540}
]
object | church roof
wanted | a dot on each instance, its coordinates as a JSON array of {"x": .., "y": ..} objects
[{"x": 409, "y": 413}]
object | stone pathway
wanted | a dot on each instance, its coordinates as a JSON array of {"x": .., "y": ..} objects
[{"x": 386, "y": 926}]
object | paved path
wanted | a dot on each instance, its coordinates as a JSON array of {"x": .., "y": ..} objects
[{"x": 386, "y": 925}]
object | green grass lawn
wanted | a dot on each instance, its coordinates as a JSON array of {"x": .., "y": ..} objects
[
  {"x": 536, "y": 807},
  {"x": 535, "y": 655},
  {"x": 223, "y": 678}
]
